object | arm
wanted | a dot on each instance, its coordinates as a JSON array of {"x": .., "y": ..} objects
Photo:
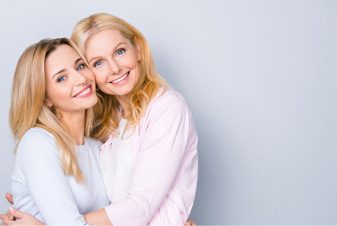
[
  {"x": 163, "y": 147},
  {"x": 38, "y": 158},
  {"x": 27, "y": 219}
]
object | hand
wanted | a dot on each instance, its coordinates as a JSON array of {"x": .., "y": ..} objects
[
  {"x": 190, "y": 222},
  {"x": 97, "y": 217},
  {"x": 9, "y": 198},
  {"x": 7, "y": 217},
  {"x": 16, "y": 217}
]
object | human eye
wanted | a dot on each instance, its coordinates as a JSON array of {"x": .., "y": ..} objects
[
  {"x": 60, "y": 78},
  {"x": 80, "y": 66},
  {"x": 120, "y": 51},
  {"x": 97, "y": 63}
]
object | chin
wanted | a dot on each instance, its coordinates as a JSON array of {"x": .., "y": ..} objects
[{"x": 122, "y": 91}]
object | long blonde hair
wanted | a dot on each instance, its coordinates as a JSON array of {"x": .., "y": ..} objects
[
  {"x": 106, "y": 111},
  {"x": 28, "y": 108}
]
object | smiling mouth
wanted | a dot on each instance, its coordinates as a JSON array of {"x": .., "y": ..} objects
[
  {"x": 84, "y": 92},
  {"x": 120, "y": 79}
]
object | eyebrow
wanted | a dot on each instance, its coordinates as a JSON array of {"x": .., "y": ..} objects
[
  {"x": 63, "y": 70},
  {"x": 78, "y": 60},
  {"x": 113, "y": 50}
]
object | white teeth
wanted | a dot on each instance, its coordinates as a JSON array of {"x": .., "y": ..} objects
[
  {"x": 84, "y": 92},
  {"x": 120, "y": 79}
]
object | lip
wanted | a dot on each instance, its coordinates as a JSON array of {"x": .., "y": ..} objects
[
  {"x": 86, "y": 91},
  {"x": 121, "y": 79}
]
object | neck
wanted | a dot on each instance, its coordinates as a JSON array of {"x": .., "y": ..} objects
[
  {"x": 74, "y": 122},
  {"x": 124, "y": 102}
]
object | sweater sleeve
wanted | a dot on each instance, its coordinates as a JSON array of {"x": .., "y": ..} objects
[
  {"x": 163, "y": 150},
  {"x": 38, "y": 157}
]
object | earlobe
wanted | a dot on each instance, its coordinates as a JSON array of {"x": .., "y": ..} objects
[{"x": 48, "y": 103}]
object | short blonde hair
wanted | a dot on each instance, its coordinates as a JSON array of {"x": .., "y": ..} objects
[
  {"x": 28, "y": 108},
  {"x": 106, "y": 111}
]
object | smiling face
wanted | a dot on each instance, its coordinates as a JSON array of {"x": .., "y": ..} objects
[
  {"x": 114, "y": 61},
  {"x": 70, "y": 83}
]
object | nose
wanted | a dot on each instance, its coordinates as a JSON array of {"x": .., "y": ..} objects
[{"x": 114, "y": 66}]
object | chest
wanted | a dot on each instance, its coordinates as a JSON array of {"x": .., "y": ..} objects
[
  {"x": 89, "y": 195},
  {"x": 118, "y": 158}
]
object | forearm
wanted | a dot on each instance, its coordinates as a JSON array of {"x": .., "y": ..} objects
[{"x": 98, "y": 217}]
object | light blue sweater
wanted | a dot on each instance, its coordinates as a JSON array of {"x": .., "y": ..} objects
[{"x": 41, "y": 188}]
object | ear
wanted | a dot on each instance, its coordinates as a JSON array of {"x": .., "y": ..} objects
[{"x": 138, "y": 49}]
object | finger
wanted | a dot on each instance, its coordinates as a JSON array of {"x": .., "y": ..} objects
[
  {"x": 9, "y": 197},
  {"x": 9, "y": 215},
  {"x": 5, "y": 220},
  {"x": 17, "y": 214}
]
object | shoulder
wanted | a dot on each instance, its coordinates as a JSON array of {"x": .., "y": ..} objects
[
  {"x": 168, "y": 99},
  {"x": 165, "y": 108},
  {"x": 35, "y": 140},
  {"x": 37, "y": 135}
]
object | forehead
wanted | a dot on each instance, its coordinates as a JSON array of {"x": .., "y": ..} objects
[
  {"x": 62, "y": 57},
  {"x": 103, "y": 40}
]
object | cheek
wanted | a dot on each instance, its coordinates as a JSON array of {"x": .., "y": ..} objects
[
  {"x": 99, "y": 75},
  {"x": 89, "y": 75},
  {"x": 59, "y": 90},
  {"x": 100, "y": 78},
  {"x": 101, "y": 86},
  {"x": 137, "y": 71},
  {"x": 133, "y": 60}
]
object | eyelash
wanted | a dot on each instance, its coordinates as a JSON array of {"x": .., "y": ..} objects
[
  {"x": 60, "y": 79},
  {"x": 95, "y": 64},
  {"x": 80, "y": 67},
  {"x": 118, "y": 51}
]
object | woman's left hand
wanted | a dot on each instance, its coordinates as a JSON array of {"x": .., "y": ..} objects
[
  {"x": 16, "y": 217},
  {"x": 190, "y": 222}
]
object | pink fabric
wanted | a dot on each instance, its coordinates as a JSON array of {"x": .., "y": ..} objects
[{"x": 164, "y": 183}]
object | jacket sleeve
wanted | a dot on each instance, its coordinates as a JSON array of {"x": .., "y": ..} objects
[
  {"x": 163, "y": 149},
  {"x": 38, "y": 158}
]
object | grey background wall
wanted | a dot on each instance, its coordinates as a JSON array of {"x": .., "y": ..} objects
[{"x": 260, "y": 78}]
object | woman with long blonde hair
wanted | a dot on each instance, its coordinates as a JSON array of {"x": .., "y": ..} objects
[
  {"x": 149, "y": 156},
  {"x": 56, "y": 176}
]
